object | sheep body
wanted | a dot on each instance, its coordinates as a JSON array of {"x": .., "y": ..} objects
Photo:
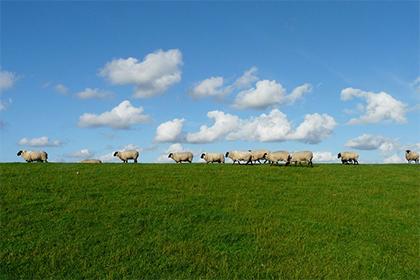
[
  {"x": 31, "y": 156},
  {"x": 258, "y": 155},
  {"x": 240, "y": 156},
  {"x": 304, "y": 156},
  {"x": 275, "y": 157},
  {"x": 213, "y": 157},
  {"x": 179, "y": 157},
  {"x": 412, "y": 156},
  {"x": 126, "y": 155},
  {"x": 91, "y": 161},
  {"x": 347, "y": 157}
]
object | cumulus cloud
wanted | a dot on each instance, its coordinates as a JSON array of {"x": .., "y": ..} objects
[
  {"x": 379, "y": 106},
  {"x": 324, "y": 157},
  {"x": 169, "y": 131},
  {"x": 61, "y": 89},
  {"x": 394, "y": 159},
  {"x": 43, "y": 141},
  {"x": 93, "y": 93},
  {"x": 272, "y": 127},
  {"x": 82, "y": 154},
  {"x": 247, "y": 78},
  {"x": 373, "y": 142},
  {"x": 121, "y": 117},
  {"x": 268, "y": 93},
  {"x": 7, "y": 80},
  {"x": 152, "y": 76},
  {"x": 177, "y": 147}
]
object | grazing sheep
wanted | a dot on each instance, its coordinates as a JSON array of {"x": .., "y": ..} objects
[
  {"x": 91, "y": 161},
  {"x": 181, "y": 156},
  {"x": 305, "y": 156},
  {"x": 126, "y": 155},
  {"x": 31, "y": 156},
  {"x": 213, "y": 157},
  {"x": 349, "y": 157},
  {"x": 239, "y": 155},
  {"x": 258, "y": 155},
  {"x": 412, "y": 156},
  {"x": 275, "y": 157}
]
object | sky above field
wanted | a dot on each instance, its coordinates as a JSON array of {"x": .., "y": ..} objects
[{"x": 84, "y": 79}]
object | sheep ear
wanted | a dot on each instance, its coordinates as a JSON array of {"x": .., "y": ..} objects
[
  {"x": 115, "y": 154},
  {"x": 19, "y": 153}
]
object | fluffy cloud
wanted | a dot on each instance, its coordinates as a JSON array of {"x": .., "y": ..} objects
[
  {"x": 247, "y": 78},
  {"x": 169, "y": 131},
  {"x": 152, "y": 76},
  {"x": 93, "y": 93},
  {"x": 223, "y": 124},
  {"x": 324, "y": 157},
  {"x": 61, "y": 89},
  {"x": 270, "y": 127},
  {"x": 7, "y": 80},
  {"x": 177, "y": 147},
  {"x": 83, "y": 154},
  {"x": 121, "y": 117},
  {"x": 394, "y": 159},
  {"x": 373, "y": 142},
  {"x": 43, "y": 141},
  {"x": 268, "y": 93},
  {"x": 379, "y": 107}
]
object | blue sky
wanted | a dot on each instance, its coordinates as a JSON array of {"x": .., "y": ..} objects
[{"x": 84, "y": 79}]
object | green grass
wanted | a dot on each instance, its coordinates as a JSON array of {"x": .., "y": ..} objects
[{"x": 168, "y": 221}]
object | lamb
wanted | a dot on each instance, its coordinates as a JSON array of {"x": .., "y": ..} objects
[
  {"x": 412, "y": 156},
  {"x": 349, "y": 157},
  {"x": 91, "y": 161},
  {"x": 258, "y": 155},
  {"x": 179, "y": 157},
  {"x": 213, "y": 157},
  {"x": 126, "y": 155},
  {"x": 275, "y": 157},
  {"x": 31, "y": 156},
  {"x": 304, "y": 156},
  {"x": 240, "y": 155}
]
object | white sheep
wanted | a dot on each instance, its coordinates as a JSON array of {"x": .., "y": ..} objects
[
  {"x": 304, "y": 156},
  {"x": 213, "y": 157},
  {"x": 31, "y": 156},
  {"x": 349, "y": 157},
  {"x": 240, "y": 156},
  {"x": 91, "y": 161},
  {"x": 179, "y": 157},
  {"x": 126, "y": 155},
  {"x": 275, "y": 157},
  {"x": 257, "y": 155},
  {"x": 412, "y": 156}
]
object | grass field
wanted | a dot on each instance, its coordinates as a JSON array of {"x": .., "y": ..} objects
[{"x": 168, "y": 221}]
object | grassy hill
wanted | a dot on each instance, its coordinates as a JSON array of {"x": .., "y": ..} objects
[{"x": 157, "y": 221}]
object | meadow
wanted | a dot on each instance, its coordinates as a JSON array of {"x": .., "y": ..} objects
[{"x": 190, "y": 221}]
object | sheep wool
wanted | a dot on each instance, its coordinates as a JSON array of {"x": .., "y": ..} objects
[
  {"x": 238, "y": 156},
  {"x": 179, "y": 157},
  {"x": 349, "y": 157},
  {"x": 275, "y": 157},
  {"x": 126, "y": 155},
  {"x": 299, "y": 157},
  {"x": 258, "y": 155},
  {"x": 411, "y": 156},
  {"x": 213, "y": 157},
  {"x": 31, "y": 156}
]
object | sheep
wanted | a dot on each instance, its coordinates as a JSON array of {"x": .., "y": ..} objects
[
  {"x": 258, "y": 155},
  {"x": 213, "y": 157},
  {"x": 179, "y": 157},
  {"x": 126, "y": 155},
  {"x": 31, "y": 156},
  {"x": 91, "y": 161},
  {"x": 305, "y": 156},
  {"x": 275, "y": 157},
  {"x": 349, "y": 157},
  {"x": 240, "y": 155},
  {"x": 412, "y": 156}
]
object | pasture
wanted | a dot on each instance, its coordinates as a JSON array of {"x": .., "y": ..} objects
[{"x": 168, "y": 221}]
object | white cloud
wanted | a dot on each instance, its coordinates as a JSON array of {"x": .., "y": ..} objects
[
  {"x": 379, "y": 107},
  {"x": 223, "y": 124},
  {"x": 169, "y": 131},
  {"x": 264, "y": 128},
  {"x": 177, "y": 147},
  {"x": 131, "y": 147},
  {"x": 416, "y": 84},
  {"x": 394, "y": 159},
  {"x": 7, "y": 80},
  {"x": 373, "y": 142},
  {"x": 62, "y": 89},
  {"x": 43, "y": 141},
  {"x": 93, "y": 93},
  {"x": 212, "y": 86},
  {"x": 152, "y": 76},
  {"x": 121, "y": 117},
  {"x": 324, "y": 157},
  {"x": 247, "y": 78},
  {"x": 83, "y": 153},
  {"x": 268, "y": 93}
]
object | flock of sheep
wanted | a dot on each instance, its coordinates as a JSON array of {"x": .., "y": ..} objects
[{"x": 247, "y": 157}]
